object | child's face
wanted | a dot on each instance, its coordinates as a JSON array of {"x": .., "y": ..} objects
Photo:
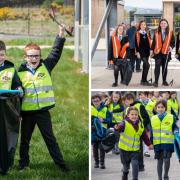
[
  {"x": 142, "y": 96},
  {"x": 173, "y": 96},
  {"x": 2, "y": 56},
  {"x": 156, "y": 94},
  {"x": 127, "y": 102},
  {"x": 165, "y": 95},
  {"x": 115, "y": 98},
  {"x": 133, "y": 115},
  {"x": 96, "y": 102},
  {"x": 33, "y": 57},
  {"x": 120, "y": 30},
  {"x": 160, "y": 108},
  {"x": 163, "y": 25},
  {"x": 143, "y": 26}
]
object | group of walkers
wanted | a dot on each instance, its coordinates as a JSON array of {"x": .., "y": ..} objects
[
  {"x": 143, "y": 120},
  {"x": 136, "y": 44}
]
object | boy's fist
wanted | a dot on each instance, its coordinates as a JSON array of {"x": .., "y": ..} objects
[{"x": 61, "y": 31}]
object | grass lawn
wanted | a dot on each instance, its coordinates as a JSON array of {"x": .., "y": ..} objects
[{"x": 70, "y": 124}]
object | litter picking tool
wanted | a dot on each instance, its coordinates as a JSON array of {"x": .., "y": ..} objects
[{"x": 52, "y": 16}]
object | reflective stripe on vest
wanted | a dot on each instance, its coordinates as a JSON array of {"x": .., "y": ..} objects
[
  {"x": 116, "y": 117},
  {"x": 119, "y": 51},
  {"x": 101, "y": 113},
  {"x": 38, "y": 90},
  {"x": 6, "y": 77},
  {"x": 172, "y": 104},
  {"x": 138, "y": 38},
  {"x": 130, "y": 139},
  {"x": 163, "y": 48},
  {"x": 162, "y": 130}
]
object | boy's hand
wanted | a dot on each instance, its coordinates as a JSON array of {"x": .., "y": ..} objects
[
  {"x": 61, "y": 31},
  {"x": 116, "y": 127}
]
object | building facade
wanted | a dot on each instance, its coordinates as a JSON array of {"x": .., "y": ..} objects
[{"x": 171, "y": 10}]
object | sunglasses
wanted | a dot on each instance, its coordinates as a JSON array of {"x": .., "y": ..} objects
[{"x": 33, "y": 56}]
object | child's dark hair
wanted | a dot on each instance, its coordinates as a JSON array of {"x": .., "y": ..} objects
[
  {"x": 129, "y": 95},
  {"x": 139, "y": 25},
  {"x": 143, "y": 92},
  {"x": 2, "y": 46},
  {"x": 163, "y": 102},
  {"x": 116, "y": 92},
  {"x": 132, "y": 108},
  {"x": 96, "y": 96},
  {"x": 116, "y": 31}
]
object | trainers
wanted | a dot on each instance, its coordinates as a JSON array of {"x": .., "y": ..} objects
[
  {"x": 114, "y": 85},
  {"x": 146, "y": 83},
  {"x": 165, "y": 83},
  {"x": 146, "y": 154}
]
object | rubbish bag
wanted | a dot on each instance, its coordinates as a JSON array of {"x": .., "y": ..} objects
[
  {"x": 109, "y": 140},
  {"x": 127, "y": 72},
  {"x": 9, "y": 129}
]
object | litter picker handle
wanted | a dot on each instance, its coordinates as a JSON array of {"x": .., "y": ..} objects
[
  {"x": 54, "y": 19},
  {"x": 2, "y": 91}
]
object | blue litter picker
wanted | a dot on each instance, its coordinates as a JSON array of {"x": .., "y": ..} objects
[{"x": 177, "y": 145}]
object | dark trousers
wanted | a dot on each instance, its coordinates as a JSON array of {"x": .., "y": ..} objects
[
  {"x": 146, "y": 66},
  {"x": 118, "y": 68},
  {"x": 128, "y": 157},
  {"x": 43, "y": 121},
  {"x": 98, "y": 152},
  {"x": 158, "y": 63},
  {"x": 134, "y": 59},
  {"x": 141, "y": 156}
]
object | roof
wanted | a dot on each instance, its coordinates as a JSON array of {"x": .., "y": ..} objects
[{"x": 148, "y": 12}]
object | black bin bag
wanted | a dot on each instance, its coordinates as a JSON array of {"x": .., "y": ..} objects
[{"x": 9, "y": 129}]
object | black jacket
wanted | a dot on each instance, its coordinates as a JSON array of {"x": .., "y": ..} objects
[
  {"x": 15, "y": 81},
  {"x": 50, "y": 62},
  {"x": 177, "y": 43},
  {"x": 110, "y": 49}
]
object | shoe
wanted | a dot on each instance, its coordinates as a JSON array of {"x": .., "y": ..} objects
[
  {"x": 141, "y": 169},
  {"x": 64, "y": 168},
  {"x": 155, "y": 84},
  {"x": 138, "y": 70},
  {"x": 96, "y": 165},
  {"x": 165, "y": 83},
  {"x": 125, "y": 176},
  {"x": 114, "y": 85},
  {"x": 146, "y": 83},
  {"x": 22, "y": 166},
  {"x": 102, "y": 166},
  {"x": 146, "y": 154}
]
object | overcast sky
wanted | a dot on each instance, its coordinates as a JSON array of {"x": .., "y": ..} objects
[{"x": 155, "y": 4}]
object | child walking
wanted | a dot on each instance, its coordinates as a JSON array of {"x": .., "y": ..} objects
[
  {"x": 132, "y": 130},
  {"x": 163, "y": 128},
  {"x": 162, "y": 45},
  {"x": 143, "y": 45},
  {"x": 118, "y": 52},
  {"x": 100, "y": 113}
]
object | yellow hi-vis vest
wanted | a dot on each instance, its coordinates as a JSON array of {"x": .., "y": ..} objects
[
  {"x": 162, "y": 130},
  {"x": 172, "y": 104},
  {"x": 6, "y": 77},
  {"x": 101, "y": 113},
  {"x": 149, "y": 108},
  {"x": 38, "y": 90},
  {"x": 116, "y": 117},
  {"x": 130, "y": 139}
]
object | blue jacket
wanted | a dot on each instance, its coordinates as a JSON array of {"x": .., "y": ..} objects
[{"x": 131, "y": 32}]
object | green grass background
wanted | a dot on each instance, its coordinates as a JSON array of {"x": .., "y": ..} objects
[{"x": 70, "y": 124}]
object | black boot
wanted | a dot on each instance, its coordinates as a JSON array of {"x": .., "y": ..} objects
[
  {"x": 102, "y": 165},
  {"x": 96, "y": 164},
  {"x": 125, "y": 176}
]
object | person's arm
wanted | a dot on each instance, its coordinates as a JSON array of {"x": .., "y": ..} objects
[
  {"x": 145, "y": 138},
  {"x": 153, "y": 43},
  {"x": 175, "y": 128},
  {"x": 145, "y": 116},
  {"x": 136, "y": 44},
  {"x": 120, "y": 127},
  {"x": 56, "y": 51},
  {"x": 110, "y": 50},
  {"x": 16, "y": 83}
]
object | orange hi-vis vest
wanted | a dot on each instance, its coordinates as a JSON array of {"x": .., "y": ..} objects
[
  {"x": 118, "y": 51},
  {"x": 163, "y": 48},
  {"x": 138, "y": 38},
  {"x": 179, "y": 45}
]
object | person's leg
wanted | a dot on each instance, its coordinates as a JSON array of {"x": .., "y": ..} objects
[
  {"x": 102, "y": 157},
  {"x": 141, "y": 157},
  {"x": 135, "y": 165},
  {"x": 164, "y": 71},
  {"x": 157, "y": 70},
  {"x": 27, "y": 127},
  {"x": 166, "y": 168},
  {"x": 45, "y": 127},
  {"x": 96, "y": 154},
  {"x": 159, "y": 157},
  {"x": 121, "y": 68},
  {"x": 145, "y": 69},
  {"x": 116, "y": 73},
  {"x": 132, "y": 58},
  {"x": 138, "y": 64}
]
